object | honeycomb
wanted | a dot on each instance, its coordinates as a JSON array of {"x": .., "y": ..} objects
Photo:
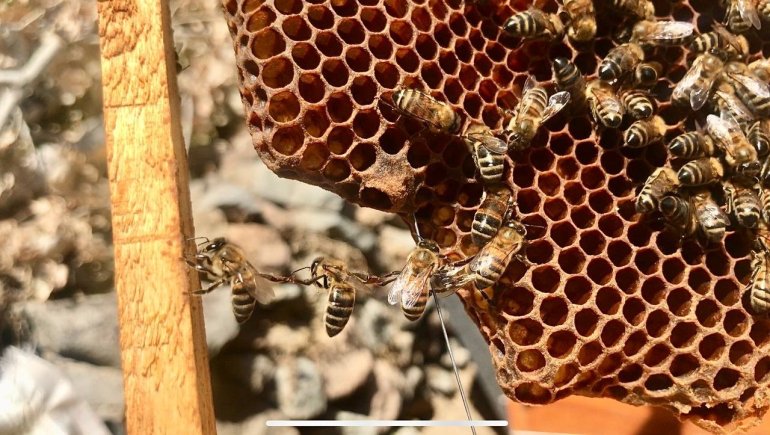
[{"x": 611, "y": 306}]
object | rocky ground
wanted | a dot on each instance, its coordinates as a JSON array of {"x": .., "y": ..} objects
[{"x": 56, "y": 297}]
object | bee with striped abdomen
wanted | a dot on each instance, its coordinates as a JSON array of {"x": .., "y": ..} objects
[
  {"x": 759, "y": 137},
  {"x": 569, "y": 78},
  {"x": 492, "y": 260},
  {"x": 692, "y": 145},
  {"x": 412, "y": 287},
  {"x": 739, "y": 154},
  {"x": 646, "y": 75},
  {"x": 722, "y": 43},
  {"x": 644, "y": 132},
  {"x": 224, "y": 262},
  {"x": 729, "y": 106},
  {"x": 605, "y": 106},
  {"x": 643, "y": 9},
  {"x": 333, "y": 276},
  {"x": 534, "y": 23},
  {"x": 752, "y": 91},
  {"x": 741, "y": 15},
  {"x": 620, "y": 61},
  {"x": 637, "y": 103},
  {"x": 659, "y": 183},
  {"x": 534, "y": 108},
  {"x": 582, "y": 20},
  {"x": 438, "y": 115},
  {"x": 764, "y": 199},
  {"x": 759, "y": 283},
  {"x": 678, "y": 214},
  {"x": 493, "y": 211},
  {"x": 705, "y": 170},
  {"x": 712, "y": 221},
  {"x": 743, "y": 202},
  {"x": 488, "y": 152},
  {"x": 695, "y": 86},
  {"x": 662, "y": 33}
]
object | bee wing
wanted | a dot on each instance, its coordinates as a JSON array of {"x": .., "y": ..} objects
[
  {"x": 735, "y": 106},
  {"x": 722, "y": 129},
  {"x": 415, "y": 287},
  {"x": 753, "y": 85},
  {"x": 492, "y": 143},
  {"x": 394, "y": 294},
  {"x": 698, "y": 97},
  {"x": 748, "y": 11},
  {"x": 555, "y": 104},
  {"x": 258, "y": 287},
  {"x": 666, "y": 31},
  {"x": 448, "y": 279}
]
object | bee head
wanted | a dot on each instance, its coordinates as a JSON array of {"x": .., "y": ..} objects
[
  {"x": 215, "y": 244},
  {"x": 428, "y": 244},
  {"x": 749, "y": 169}
]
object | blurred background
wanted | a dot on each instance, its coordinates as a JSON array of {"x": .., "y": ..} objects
[{"x": 58, "y": 321}]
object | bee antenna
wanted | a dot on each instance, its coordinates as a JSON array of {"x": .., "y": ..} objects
[
  {"x": 416, "y": 227},
  {"x": 300, "y": 269},
  {"x": 205, "y": 240},
  {"x": 454, "y": 364}
]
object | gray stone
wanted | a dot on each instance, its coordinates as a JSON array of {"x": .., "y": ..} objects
[
  {"x": 395, "y": 244},
  {"x": 100, "y": 387},
  {"x": 343, "y": 375},
  {"x": 285, "y": 340},
  {"x": 300, "y": 389},
  {"x": 264, "y": 247},
  {"x": 371, "y": 217},
  {"x": 441, "y": 380},
  {"x": 347, "y": 415},
  {"x": 375, "y": 325},
  {"x": 254, "y": 370},
  {"x": 213, "y": 193},
  {"x": 85, "y": 329},
  {"x": 413, "y": 378},
  {"x": 221, "y": 325},
  {"x": 290, "y": 193},
  {"x": 462, "y": 355},
  {"x": 386, "y": 401}
]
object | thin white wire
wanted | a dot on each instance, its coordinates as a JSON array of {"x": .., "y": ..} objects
[{"x": 454, "y": 364}]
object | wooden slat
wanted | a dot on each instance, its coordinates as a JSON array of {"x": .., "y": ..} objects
[{"x": 163, "y": 346}]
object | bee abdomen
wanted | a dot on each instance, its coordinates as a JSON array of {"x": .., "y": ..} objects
[
  {"x": 523, "y": 24},
  {"x": 690, "y": 145},
  {"x": 415, "y": 312},
  {"x": 484, "y": 227},
  {"x": 491, "y": 165},
  {"x": 704, "y": 42},
  {"x": 644, "y": 132},
  {"x": 700, "y": 172},
  {"x": 677, "y": 213},
  {"x": 759, "y": 138},
  {"x": 735, "y": 21},
  {"x": 637, "y": 104},
  {"x": 339, "y": 309},
  {"x": 243, "y": 304}
]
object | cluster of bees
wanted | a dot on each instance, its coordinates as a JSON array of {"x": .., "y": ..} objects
[{"x": 731, "y": 151}]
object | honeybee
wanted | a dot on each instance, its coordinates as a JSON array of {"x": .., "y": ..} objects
[
  {"x": 759, "y": 137},
  {"x": 761, "y": 67},
  {"x": 705, "y": 170},
  {"x": 721, "y": 43},
  {"x": 534, "y": 23},
  {"x": 436, "y": 114},
  {"x": 492, "y": 260},
  {"x": 621, "y": 60},
  {"x": 535, "y": 108},
  {"x": 488, "y": 153},
  {"x": 712, "y": 221},
  {"x": 569, "y": 78},
  {"x": 759, "y": 283},
  {"x": 659, "y": 183},
  {"x": 645, "y": 132},
  {"x": 491, "y": 214},
  {"x": 582, "y": 16},
  {"x": 605, "y": 105},
  {"x": 225, "y": 262},
  {"x": 691, "y": 145},
  {"x": 739, "y": 154},
  {"x": 742, "y": 15},
  {"x": 728, "y": 105},
  {"x": 643, "y": 9},
  {"x": 646, "y": 75},
  {"x": 764, "y": 199},
  {"x": 411, "y": 288},
  {"x": 663, "y": 33},
  {"x": 743, "y": 202},
  {"x": 695, "y": 86},
  {"x": 752, "y": 91},
  {"x": 636, "y": 103},
  {"x": 678, "y": 214}
]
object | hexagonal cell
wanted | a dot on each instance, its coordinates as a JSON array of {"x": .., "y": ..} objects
[
  {"x": 530, "y": 360},
  {"x": 634, "y": 311},
  {"x": 586, "y": 321}
]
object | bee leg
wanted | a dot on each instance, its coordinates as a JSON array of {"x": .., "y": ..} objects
[
  {"x": 211, "y": 287},
  {"x": 487, "y": 297},
  {"x": 523, "y": 260}
]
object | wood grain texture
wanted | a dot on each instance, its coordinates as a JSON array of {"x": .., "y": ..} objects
[{"x": 163, "y": 346}]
